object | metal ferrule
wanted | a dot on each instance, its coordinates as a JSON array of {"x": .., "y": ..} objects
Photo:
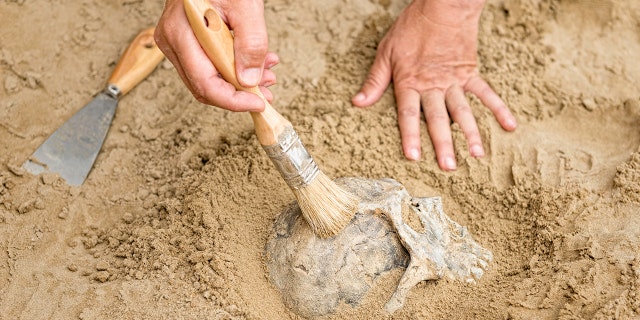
[
  {"x": 112, "y": 91},
  {"x": 292, "y": 159}
]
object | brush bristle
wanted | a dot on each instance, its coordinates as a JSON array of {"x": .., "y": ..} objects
[{"x": 327, "y": 207}]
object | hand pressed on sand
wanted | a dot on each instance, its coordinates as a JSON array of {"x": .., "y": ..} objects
[{"x": 431, "y": 54}]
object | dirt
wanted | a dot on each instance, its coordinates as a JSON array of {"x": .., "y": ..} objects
[{"x": 173, "y": 220}]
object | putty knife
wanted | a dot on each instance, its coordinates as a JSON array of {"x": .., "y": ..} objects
[{"x": 71, "y": 150}]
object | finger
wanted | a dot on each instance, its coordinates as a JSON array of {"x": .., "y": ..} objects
[
  {"x": 234, "y": 100},
  {"x": 409, "y": 122},
  {"x": 439, "y": 127},
  {"x": 160, "y": 37},
  {"x": 461, "y": 113},
  {"x": 204, "y": 81},
  {"x": 271, "y": 60},
  {"x": 491, "y": 100},
  {"x": 267, "y": 94},
  {"x": 268, "y": 78},
  {"x": 376, "y": 83},
  {"x": 250, "y": 41},
  {"x": 176, "y": 64}
]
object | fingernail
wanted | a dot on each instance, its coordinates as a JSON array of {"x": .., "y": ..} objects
[
  {"x": 449, "y": 163},
  {"x": 413, "y": 154},
  {"x": 359, "y": 98},
  {"x": 477, "y": 151},
  {"x": 251, "y": 76}
]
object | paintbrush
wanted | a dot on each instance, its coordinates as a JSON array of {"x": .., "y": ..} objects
[{"x": 327, "y": 207}]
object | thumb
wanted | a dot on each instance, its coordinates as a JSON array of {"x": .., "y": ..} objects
[
  {"x": 250, "y": 42},
  {"x": 377, "y": 81}
]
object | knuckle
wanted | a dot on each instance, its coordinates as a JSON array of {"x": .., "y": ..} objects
[
  {"x": 159, "y": 38},
  {"x": 485, "y": 90},
  {"x": 460, "y": 108},
  {"x": 408, "y": 112},
  {"x": 437, "y": 116},
  {"x": 375, "y": 81},
  {"x": 202, "y": 94},
  {"x": 200, "y": 98},
  {"x": 253, "y": 48}
]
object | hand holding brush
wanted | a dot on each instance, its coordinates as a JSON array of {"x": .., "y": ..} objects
[{"x": 326, "y": 206}]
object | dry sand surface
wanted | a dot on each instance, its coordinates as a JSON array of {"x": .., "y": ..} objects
[{"x": 173, "y": 220}]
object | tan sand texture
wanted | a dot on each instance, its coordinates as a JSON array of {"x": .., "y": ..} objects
[{"x": 173, "y": 221}]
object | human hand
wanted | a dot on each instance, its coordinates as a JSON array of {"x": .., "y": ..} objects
[
  {"x": 431, "y": 54},
  {"x": 175, "y": 38}
]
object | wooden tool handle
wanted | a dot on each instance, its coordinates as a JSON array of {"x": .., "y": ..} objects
[
  {"x": 137, "y": 62},
  {"x": 217, "y": 41}
]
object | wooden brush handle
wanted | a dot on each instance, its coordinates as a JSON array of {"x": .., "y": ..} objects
[
  {"x": 217, "y": 41},
  {"x": 137, "y": 62}
]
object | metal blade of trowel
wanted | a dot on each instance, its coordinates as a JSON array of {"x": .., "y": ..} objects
[{"x": 72, "y": 149}]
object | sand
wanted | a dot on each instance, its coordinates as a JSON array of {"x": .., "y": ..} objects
[{"x": 173, "y": 220}]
